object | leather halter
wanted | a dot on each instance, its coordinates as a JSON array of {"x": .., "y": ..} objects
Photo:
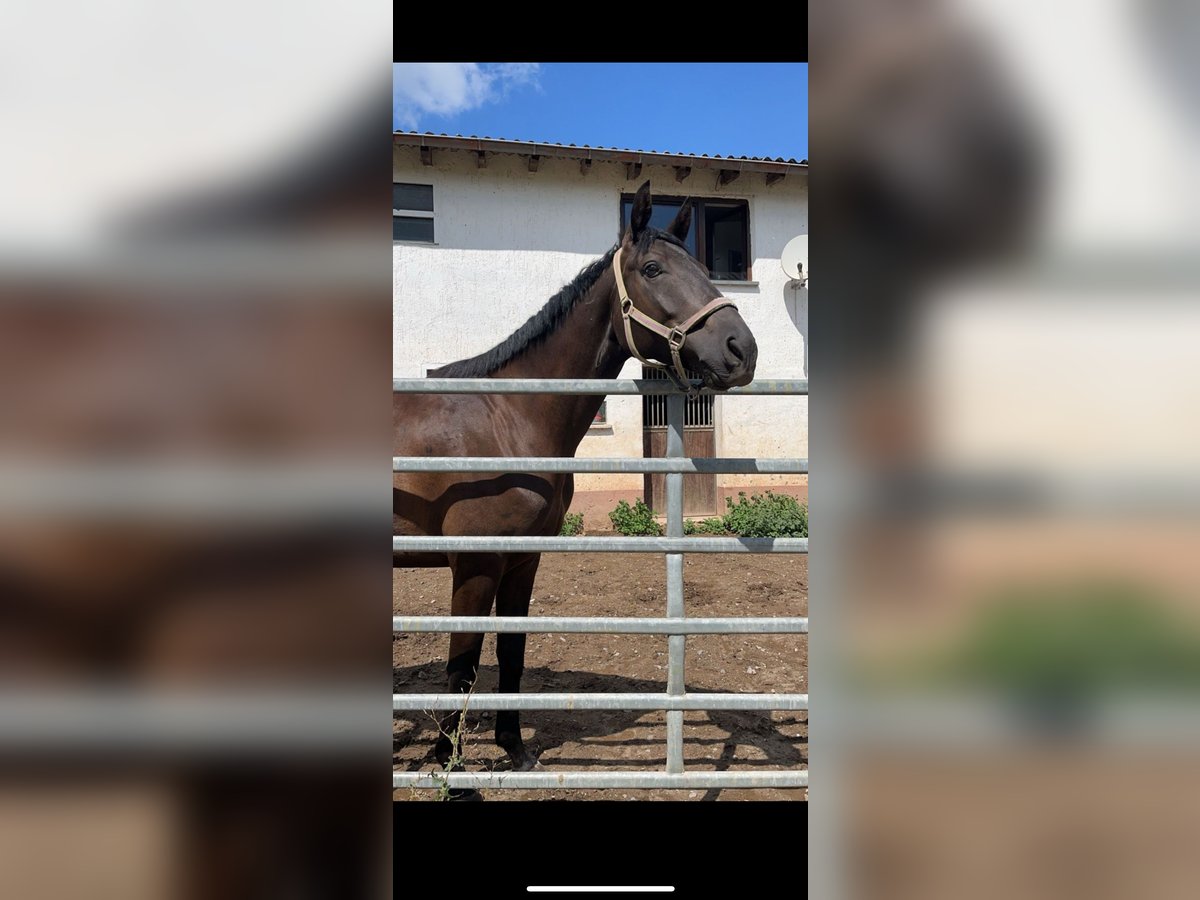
[{"x": 676, "y": 335}]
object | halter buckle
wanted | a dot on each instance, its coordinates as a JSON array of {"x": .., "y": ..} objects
[
  {"x": 626, "y": 306},
  {"x": 676, "y": 338}
]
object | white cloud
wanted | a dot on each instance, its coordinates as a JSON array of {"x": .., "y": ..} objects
[{"x": 443, "y": 89}]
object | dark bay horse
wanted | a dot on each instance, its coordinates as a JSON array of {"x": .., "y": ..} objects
[{"x": 665, "y": 303}]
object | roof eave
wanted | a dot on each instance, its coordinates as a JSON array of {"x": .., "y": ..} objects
[{"x": 528, "y": 148}]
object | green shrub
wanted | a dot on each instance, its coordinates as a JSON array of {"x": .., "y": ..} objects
[
  {"x": 635, "y": 520},
  {"x": 704, "y": 526},
  {"x": 1057, "y": 646},
  {"x": 572, "y": 525},
  {"x": 1076, "y": 640},
  {"x": 765, "y": 515}
]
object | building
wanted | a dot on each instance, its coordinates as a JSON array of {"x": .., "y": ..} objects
[{"x": 485, "y": 231}]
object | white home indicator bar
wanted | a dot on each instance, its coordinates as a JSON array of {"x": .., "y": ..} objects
[{"x": 602, "y": 889}]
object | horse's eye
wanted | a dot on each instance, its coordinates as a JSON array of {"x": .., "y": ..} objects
[{"x": 651, "y": 269}]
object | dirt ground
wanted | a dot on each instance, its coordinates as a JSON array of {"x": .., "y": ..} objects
[{"x": 624, "y": 584}]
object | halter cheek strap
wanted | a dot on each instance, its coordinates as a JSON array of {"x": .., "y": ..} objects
[{"x": 676, "y": 336}]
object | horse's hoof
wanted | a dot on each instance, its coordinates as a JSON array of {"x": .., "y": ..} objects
[{"x": 530, "y": 764}]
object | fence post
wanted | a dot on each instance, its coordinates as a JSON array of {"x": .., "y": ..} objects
[{"x": 676, "y": 643}]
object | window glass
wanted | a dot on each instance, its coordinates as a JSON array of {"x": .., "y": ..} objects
[
  {"x": 725, "y": 240},
  {"x": 410, "y": 228},
  {"x": 412, "y": 196}
]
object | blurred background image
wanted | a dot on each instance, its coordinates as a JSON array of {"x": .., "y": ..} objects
[
  {"x": 1005, "y": 424},
  {"x": 194, "y": 327},
  {"x": 194, "y": 343}
]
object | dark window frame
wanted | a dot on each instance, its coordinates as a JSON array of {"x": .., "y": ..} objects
[
  {"x": 429, "y": 215},
  {"x": 697, "y": 204}
]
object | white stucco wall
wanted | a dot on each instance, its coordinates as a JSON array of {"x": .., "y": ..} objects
[{"x": 507, "y": 239}]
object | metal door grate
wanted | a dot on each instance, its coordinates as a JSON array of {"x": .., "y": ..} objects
[{"x": 697, "y": 411}]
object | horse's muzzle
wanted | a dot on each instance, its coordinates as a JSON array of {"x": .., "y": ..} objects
[
  {"x": 725, "y": 351},
  {"x": 739, "y": 356}
]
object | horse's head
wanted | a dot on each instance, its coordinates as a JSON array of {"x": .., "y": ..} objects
[{"x": 665, "y": 286}]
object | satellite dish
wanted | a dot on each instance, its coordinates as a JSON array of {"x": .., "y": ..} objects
[{"x": 795, "y": 259}]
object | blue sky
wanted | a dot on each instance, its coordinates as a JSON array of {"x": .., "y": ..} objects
[{"x": 752, "y": 109}]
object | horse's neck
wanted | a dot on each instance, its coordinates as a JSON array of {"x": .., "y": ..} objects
[{"x": 582, "y": 347}]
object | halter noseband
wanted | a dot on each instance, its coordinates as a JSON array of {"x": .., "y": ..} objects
[{"x": 676, "y": 335}]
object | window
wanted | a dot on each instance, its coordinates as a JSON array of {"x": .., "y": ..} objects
[
  {"x": 720, "y": 233},
  {"x": 412, "y": 212},
  {"x": 601, "y": 418}
]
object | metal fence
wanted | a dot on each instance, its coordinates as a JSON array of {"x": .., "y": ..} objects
[{"x": 676, "y": 626}]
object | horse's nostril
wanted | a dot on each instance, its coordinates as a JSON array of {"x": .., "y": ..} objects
[{"x": 732, "y": 346}]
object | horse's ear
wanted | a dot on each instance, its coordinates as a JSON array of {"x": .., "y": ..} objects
[
  {"x": 682, "y": 223},
  {"x": 639, "y": 218}
]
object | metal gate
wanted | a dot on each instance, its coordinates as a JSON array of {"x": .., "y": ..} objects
[{"x": 676, "y": 626}]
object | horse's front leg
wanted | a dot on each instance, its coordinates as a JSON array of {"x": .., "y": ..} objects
[
  {"x": 476, "y": 576},
  {"x": 512, "y": 599}
]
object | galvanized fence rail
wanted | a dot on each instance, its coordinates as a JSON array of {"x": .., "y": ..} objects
[{"x": 675, "y": 626}]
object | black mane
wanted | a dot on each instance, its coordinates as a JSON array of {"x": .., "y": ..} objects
[{"x": 546, "y": 320}]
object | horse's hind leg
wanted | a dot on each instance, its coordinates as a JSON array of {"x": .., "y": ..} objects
[
  {"x": 476, "y": 576},
  {"x": 512, "y": 599}
]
